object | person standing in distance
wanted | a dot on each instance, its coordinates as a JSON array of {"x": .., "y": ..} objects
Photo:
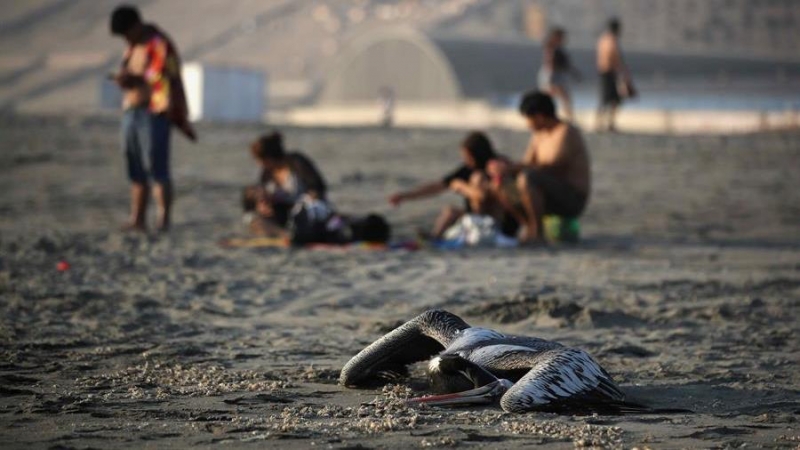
[{"x": 612, "y": 69}]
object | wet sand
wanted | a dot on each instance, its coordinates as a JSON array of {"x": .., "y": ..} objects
[{"x": 686, "y": 288}]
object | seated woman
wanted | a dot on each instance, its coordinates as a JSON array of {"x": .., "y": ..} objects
[
  {"x": 470, "y": 181},
  {"x": 285, "y": 178}
]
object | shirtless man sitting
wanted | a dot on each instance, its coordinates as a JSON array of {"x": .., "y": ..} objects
[{"x": 553, "y": 177}]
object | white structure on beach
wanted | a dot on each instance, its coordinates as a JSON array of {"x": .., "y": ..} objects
[
  {"x": 224, "y": 94},
  {"x": 215, "y": 94}
]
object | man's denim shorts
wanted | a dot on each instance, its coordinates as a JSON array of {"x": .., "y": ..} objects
[{"x": 145, "y": 141}]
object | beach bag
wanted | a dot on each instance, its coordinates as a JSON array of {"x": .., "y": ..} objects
[
  {"x": 473, "y": 230},
  {"x": 626, "y": 89}
]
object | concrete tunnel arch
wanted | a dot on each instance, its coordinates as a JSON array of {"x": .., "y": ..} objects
[{"x": 403, "y": 58}]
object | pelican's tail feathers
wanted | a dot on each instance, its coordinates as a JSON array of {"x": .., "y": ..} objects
[{"x": 606, "y": 407}]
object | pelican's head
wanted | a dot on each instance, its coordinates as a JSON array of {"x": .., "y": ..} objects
[
  {"x": 452, "y": 373},
  {"x": 461, "y": 381}
]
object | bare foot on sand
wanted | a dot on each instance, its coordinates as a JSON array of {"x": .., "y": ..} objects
[
  {"x": 131, "y": 227},
  {"x": 528, "y": 237}
]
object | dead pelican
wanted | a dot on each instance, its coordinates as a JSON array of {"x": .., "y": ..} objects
[{"x": 476, "y": 365}]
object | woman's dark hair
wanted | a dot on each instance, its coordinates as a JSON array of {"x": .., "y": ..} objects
[
  {"x": 537, "y": 102},
  {"x": 553, "y": 35},
  {"x": 268, "y": 146},
  {"x": 480, "y": 148},
  {"x": 123, "y": 19}
]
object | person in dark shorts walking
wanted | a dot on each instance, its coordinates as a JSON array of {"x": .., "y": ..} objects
[{"x": 612, "y": 70}]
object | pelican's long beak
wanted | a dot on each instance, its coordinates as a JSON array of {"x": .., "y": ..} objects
[{"x": 485, "y": 394}]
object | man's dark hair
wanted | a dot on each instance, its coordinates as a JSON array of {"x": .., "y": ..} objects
[
  {"x": 558, "y": 31},
  {"x": 123, "y": 19},
  {"x": 373, "y": 228},
  {"x": 480, "y": 148},
  {"x": 537, "y": 102},
  {"x": 269, "y": 146},
  {"x": 613, "y": 25}
]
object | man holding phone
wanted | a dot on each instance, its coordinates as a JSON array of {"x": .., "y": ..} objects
[{"x": 153, "y": 100}]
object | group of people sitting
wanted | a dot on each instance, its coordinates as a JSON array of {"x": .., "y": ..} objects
[{"x": 512, "y": 197}]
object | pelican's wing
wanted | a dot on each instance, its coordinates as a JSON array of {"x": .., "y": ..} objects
[
  {"x": 564, "y": 380},
  {"x": 507, "y": 358},
  {"x": 418, "y": 339}
]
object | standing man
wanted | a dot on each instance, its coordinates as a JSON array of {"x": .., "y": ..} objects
[
  {"x": 612, "y": 69},
  {"x": 153, "y": 99}
]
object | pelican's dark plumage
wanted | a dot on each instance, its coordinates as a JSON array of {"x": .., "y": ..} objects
[{"x": 524, "y": 373}]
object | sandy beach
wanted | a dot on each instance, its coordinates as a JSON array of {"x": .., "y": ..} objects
[{"x": 686, "y": 288}]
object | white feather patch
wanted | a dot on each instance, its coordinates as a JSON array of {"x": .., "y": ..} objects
[
  {"x": 433, "y": 364},
  {"x": 472, "y": 336}
]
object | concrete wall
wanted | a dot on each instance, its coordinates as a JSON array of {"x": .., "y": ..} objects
[
  {"x": 403, "y": 59},
  {"x": 480, "y": 115}
]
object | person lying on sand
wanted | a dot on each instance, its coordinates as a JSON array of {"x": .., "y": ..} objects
[
  {"x": 285, "y": 178},
  {"x": 314, "y": 221},
  {"x": 553, "y": 177},
  {"x": 468, "y": 180}
]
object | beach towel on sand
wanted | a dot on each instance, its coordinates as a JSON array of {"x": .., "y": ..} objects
[{"x": 273, "y": 242}]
